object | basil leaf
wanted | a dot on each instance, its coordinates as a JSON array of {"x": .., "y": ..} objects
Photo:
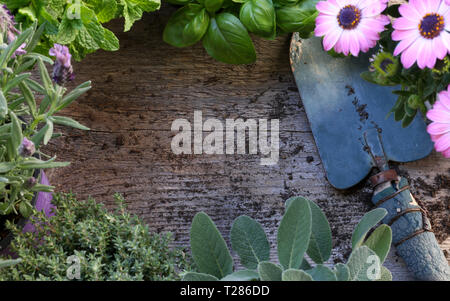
[
  {"x": 211, "y": 5},
  {"x": 186, "y": 26},
  {"x": 259, "y": 17},
  {"x": 285, "y": 2},
  {"x": 298, "y": 18},
  {"x": 227, "y": 40}
]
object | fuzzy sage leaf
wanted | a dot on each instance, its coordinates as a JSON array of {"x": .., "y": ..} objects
[
  {"x": 294, "y": 233},
  {"x": 368, "y": 221},
  {"x": 249, "y": 240},
  {"x": 208, "y": 247}
]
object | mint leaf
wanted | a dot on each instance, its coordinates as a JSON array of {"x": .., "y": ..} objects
[
  {"x": 67, "y": 31},
  {"x": 107, "y": 11},
  {"x": 110, "y": 42},
  {"x": 147, "y": 5},
  {"x": 131, "y": 12}
]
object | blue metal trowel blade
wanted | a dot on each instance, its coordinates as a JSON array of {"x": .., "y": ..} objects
[{"x": 342, "y": 107}]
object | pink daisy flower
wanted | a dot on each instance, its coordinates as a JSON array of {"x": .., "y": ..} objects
[
  {"x": 423, "y": 32},
  {"x": 439, "y": 129},
  {"x": 350, "y": 26}
]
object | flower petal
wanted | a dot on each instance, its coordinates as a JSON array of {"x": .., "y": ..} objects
[{"x": 437, "y": 128}]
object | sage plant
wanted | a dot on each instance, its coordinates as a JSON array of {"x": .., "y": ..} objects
[{"x": 303, "y": 230}]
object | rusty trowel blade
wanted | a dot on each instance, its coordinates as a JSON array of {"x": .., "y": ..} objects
[{"x": 341, "y": 107}]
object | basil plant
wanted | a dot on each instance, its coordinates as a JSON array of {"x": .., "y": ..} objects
[
  {"x": 303, "y": 230},
  {"x": 25, "y": 123},
  {"x": 223, "y": 26}
]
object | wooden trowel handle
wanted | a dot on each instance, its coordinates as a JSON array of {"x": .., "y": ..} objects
[{"x": 411, "y": 230}]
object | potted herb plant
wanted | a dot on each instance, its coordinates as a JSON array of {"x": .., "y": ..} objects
[{"x": 27, "y": 124}]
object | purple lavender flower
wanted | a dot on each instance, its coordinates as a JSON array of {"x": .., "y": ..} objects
[
  {"x": 27, "y": 148},
  {"x": 62, "y": 69},
  {"x": 7, "y": 27}
]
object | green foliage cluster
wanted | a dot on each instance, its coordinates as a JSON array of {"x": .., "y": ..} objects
[
  {"x": 303, "y": 229},
  {"x": 78, "y": 23},
  {"x": 21, "y": 117},
  {"x": 223, "y": 26},
  {"x": 110, "y": 245},
  {"x": 418, "y": 87}
]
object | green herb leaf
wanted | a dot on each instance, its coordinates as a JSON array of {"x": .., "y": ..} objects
[
  {"x": 369, "y": 220},
  {"x": 6, "y": 166},
  {"x": 48, "y": 134},
  {"x": 16, "y": 132},
  {"x": 380, "y": 241},
  {"x": 68, "y": 122},
  {"x": 342, "y": 272},
  {"x": 3, "y": 105},
  {"x": 269, "y": 271},
  {"x": 298, "y": 18},
  {"x": 294, "y": 233},
  {"x": 243, "y": 275},
  {"x": 385, "y": 274},
  {"x": 33, "y": 163},
  {"x": 322, "y": 273},
  {"x": 249, "y": 240},
  {"x": 107, "y": 10},
  {"x": 208, "y": 247},
  {"x": 187, "y": 26},
  {"x": 295, "y": 275},
  {"x": 227, "y": 40},
  {"x": 192, "y": 276},
  {"x": 259, "y": 17},
  {"x": 211, "y": 6},
  {"x": 320, "y": 244},
  {"x": 360, "y": 266}
]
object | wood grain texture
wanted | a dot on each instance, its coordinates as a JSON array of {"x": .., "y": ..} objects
[{"x": 138, "y": 92}]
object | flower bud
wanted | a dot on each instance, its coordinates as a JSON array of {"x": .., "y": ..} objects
[
  {"x": 62, "y": 68},
  {"x": 31, "y": 182},
  {"x": 27, "y": 148},
  {"x": 414, "y": 101}
]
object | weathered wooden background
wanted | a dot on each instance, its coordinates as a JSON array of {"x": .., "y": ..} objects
[{"x": 138, "y": 92}]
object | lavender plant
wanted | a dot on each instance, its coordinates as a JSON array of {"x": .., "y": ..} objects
[
  {"x": 303, "y": 230},
  {"x": 25, "y": 123}
]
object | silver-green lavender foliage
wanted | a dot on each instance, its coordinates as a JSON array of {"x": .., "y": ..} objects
[
  {"x": 303, "y": 230},
  {"x": 25, "y": 123},
  {"x": 110, "y": 245}
]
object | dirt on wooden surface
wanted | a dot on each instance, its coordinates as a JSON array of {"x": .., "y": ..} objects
[{"x": 140, "y": 90}]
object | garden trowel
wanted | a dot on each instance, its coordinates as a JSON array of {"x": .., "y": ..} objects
[{"x": 353, "y": 133}]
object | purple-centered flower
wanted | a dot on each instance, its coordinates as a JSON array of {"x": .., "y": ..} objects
[
  {"x": 62, "y": 69},
  {"x": 350, "y": 26},
  {"x": 7, "y": 27},
  {"x": 423, "y": 32},
  {"x": 27, "y": 148},
  {"x": 439, "y": 129}
]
